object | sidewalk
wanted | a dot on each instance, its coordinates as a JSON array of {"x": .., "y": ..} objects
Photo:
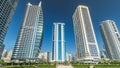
[
  {"x": 91, "y": 66},
  {"x": 64, "y": 66}
]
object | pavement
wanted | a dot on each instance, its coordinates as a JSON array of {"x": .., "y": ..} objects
[
  {"x": 91, "y": 66},
  {"x": 64, "y": 66}
]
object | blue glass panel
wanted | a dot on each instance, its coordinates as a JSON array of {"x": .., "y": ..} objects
[{"x": 59, "y": 43}]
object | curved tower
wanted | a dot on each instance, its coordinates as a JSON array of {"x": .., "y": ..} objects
[
  {"x": 7, "y": 8},
  {"x": 29, "y": 40},
  {"x": 111, "y": 39}
]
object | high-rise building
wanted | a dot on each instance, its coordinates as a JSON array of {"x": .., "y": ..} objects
[
  {"x": 50, "y": 57},
  {"x": 7, "y": 8},
  {"x": 1, "y": 50},
  {"x": 59, "y": 49},
  {"x": 103, "y": 54},
  {"x": 111, "y": 39},
  {"x": 86, "y": 44},
  {"x": 29, "y": 40}
]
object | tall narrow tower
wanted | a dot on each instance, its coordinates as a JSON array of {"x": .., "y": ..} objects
[
  {"x": 58, "y": 50},
  {"x": 7, "y": 8},
  {"x": 111, "y": 39},
  {"x": 29, "y": 40},
  {"x": 86, "y": 44}
]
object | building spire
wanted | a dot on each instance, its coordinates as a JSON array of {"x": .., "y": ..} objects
[
  {"x": 29, "y": 3},
  {"x": 40, "y": 3}
]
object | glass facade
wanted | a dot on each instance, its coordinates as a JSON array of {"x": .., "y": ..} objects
[
  {"x": 79, "y": 45},
  {"x": 86, "y": 44},
  {"x": 59, "y": 49},
  {"x": 7, "y": 8},
  {"x": 110, "y": 35},
  {"x": 93, "y": 51},
  {"x": 1, "y": 50},
  {"x": 88, "y": 29},
  {"x": 30, "y": 37},
  {"x": 59, "y": 43}
]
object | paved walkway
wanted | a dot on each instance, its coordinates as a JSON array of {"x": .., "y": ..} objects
[
  {"x": 64, "y": 66},
  {"x": 91, "y": 66}
]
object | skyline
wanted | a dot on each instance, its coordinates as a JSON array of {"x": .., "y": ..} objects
[{"x": 52, "y": 14}]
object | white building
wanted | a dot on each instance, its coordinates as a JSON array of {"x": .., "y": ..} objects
[
  {"x": 8, "y": 56},
  {"x": 69, "y": 57},
  {"x": 29, "y": 41},
  {"x": 58, "y": 49},
  {"x": 7, "y": 9},
  {"x": 111, "y": 39},
  {"x": 44, "y": 57},
  {"x": 4, "y": 54},
  {"x": 50, "y": 57},
  {"x": 86, "y": 43}
]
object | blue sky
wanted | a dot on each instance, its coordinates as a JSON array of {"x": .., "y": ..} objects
[{"x": 62, "y": 11}]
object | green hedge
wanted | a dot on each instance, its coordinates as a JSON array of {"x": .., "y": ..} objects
[
  {"x": 39, "y": 66},
  {"x": 107, "y": 66}
]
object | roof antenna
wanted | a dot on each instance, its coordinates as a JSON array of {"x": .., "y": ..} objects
[
  {"x": 40, "y": 3},
  {"x": 29, "y": 3}
]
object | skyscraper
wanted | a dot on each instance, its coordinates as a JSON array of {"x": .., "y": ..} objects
[
  {"x": 7, "y": 8},
  {"x": 59, "y": 49},
  {"x": 86, "y": 44},
  {"x": 1, "y": 50},
  {"x": 111, "y": 39},
  {"x": 29, "y": 40}
]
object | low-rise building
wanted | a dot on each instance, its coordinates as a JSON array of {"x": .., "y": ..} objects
[
  {"x": 69, "y": 57},
  {"x": 8, "y": 56},
  {"x": 44, "y": 57}
]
